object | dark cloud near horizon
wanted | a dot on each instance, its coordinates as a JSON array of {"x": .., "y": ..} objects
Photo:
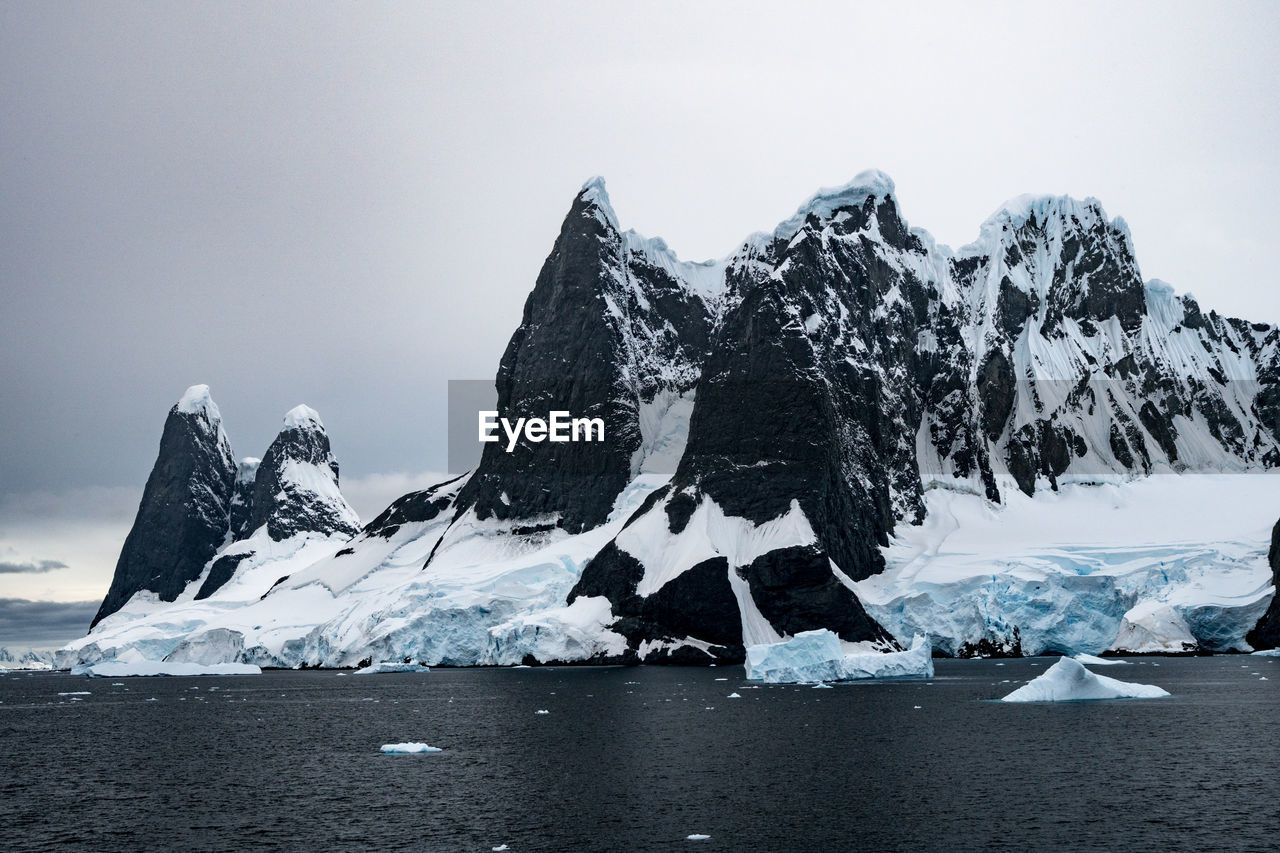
[
  {"x": 43, "y": 624},
  {"x": 30, "y": 568}
]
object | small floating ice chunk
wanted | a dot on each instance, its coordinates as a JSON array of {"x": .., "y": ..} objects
[
  {"x": 542, "y": 711},
  {"x": 1096, "y": 661},
  {"x": 697, "y": 837},
  {"x": 499, "y": 848},
  {"x": 77, "y": 693},
  {"x": 392, "y": 666},
  {"x": 409, "y": 748},
  {"x": 822, "y": 685},
  {"x": 1068, "y": 681},
  {"x": 733, "y": 695}
]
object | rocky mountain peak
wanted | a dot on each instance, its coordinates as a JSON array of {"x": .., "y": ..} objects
[
  {"x": 614, "y": 322},
  {"x": 1043, "y": 259},
  {"x": 593, "y": 200},
  {"x": 183, "y": 517},
  {"x": 295, "y": 487}
]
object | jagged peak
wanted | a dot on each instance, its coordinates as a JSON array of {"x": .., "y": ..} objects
[
  {"x": 704, "y": 278},
  {"x": 1018, "y": 210},
  {"x": 827, "y": 200},
  {"x": 196, "y": 400},
  {"x": 1165, "y": 304},
  {"x": 1045, "y": 209},
  {"x": 303, "y": 417},
  {"x": 596, "y": 197}
]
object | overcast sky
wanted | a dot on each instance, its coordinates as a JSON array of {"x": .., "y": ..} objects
[{"x": 345, "y": 205}]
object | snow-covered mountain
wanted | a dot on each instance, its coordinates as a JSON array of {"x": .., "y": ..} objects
[
  {"x": 798, "y": 435},
  {"x": 207, "y": 524}
]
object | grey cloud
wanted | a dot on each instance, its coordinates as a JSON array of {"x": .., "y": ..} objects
[
  {"x": 41, "y": 624},
  {"x": 9, "y": 567}
]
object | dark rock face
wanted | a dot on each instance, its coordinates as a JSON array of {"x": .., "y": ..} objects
[
  {"x": 183, "y": 517},
  {"x": 606, "y": 327},
  {"x": 795, "y": 590},
  {"x": 295, "y": 489},
  {"x": 222, "y": 570},
  {"x": 996, "y": 390},
  {"x": 242, "y": 497},
  {"x": 1266, "y": 635},
  {"x": 697, "y": 610},
  {"x": 414, "y": 507}
]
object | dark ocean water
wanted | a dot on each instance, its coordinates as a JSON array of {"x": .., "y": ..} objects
[{"x": 638, "y": 759}]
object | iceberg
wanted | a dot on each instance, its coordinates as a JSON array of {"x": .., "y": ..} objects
[
  {"x": 821, "y": 656},
  {"x": 123, "y": 669},
  {"x": 392, "y": 666},
  {"x": 217, "y": 645},
  {"x": 409, "y": 748},
  {"x": 1268, "y": 653},
  {"x": 1068, "y": 681},
  {"x": 1096, "y": 661}
]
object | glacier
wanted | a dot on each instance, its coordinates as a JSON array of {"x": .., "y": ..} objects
[{"x": 1157, "y": 564}]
